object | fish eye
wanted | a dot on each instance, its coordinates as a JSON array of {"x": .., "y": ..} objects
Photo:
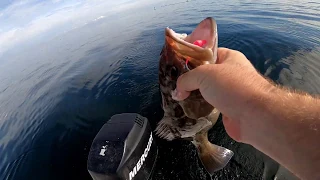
[{"x": 174, "y": 71}]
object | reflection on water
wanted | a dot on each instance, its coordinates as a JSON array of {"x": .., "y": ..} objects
[
  {"x": 59, "y": 86},
  {"x": 298, "y": 71}
]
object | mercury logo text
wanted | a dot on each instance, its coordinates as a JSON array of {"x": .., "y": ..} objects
[{"x": 141, "y": 160}]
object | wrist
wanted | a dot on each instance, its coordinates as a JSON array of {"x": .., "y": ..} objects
[{"x": 257, "y": 112}]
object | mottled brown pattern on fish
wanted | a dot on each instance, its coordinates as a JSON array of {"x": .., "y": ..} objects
[{"x": 171, "y": 66}]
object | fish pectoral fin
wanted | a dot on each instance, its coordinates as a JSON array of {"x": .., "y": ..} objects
[
  {"x": 213, "y": 157},
  {"x": 167, "y": 130}
]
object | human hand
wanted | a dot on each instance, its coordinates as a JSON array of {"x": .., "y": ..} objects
[{"x": 231, "y": 85}]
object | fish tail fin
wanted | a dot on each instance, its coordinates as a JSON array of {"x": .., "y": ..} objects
[{"x": 213, "y": 157}]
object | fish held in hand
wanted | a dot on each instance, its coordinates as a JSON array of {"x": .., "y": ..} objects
[{"x": 192, "y": 118}]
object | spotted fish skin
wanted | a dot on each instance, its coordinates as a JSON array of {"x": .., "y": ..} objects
[{"x": 192, "y": 118}]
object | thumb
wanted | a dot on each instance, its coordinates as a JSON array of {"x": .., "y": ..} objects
[{"x": 189, "y": 81}]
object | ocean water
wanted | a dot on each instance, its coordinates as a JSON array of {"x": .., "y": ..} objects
[{"x": 67, "y": 67}]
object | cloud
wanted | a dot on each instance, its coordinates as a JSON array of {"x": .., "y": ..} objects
[{"x": 26, "y": 20}]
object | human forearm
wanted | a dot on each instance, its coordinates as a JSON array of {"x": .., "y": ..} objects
[{"x": 285, "y": 125}]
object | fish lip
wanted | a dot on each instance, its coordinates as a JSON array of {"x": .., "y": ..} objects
[{"x": 212, "y": 27}]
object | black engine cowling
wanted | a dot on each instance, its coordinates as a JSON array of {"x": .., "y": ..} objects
[{"x": 124, "y": 148}]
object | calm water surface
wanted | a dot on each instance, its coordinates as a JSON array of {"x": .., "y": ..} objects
[{"x": 67, "y": 67}]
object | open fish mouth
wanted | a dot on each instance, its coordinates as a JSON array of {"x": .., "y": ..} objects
[
  {"x": 188, "y": 46},
  {"x": 206, "y": 30}
]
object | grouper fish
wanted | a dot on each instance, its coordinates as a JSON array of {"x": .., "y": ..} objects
[{"x": 192, "y": 118}]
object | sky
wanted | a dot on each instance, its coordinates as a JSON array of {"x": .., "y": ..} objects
[{"x": 25, "y": 20}]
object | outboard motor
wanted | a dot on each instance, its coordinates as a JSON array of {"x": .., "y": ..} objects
[{"x": 124, "y": 148}]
